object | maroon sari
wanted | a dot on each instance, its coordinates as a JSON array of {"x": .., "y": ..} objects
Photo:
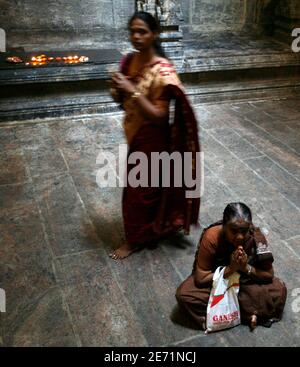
[{"x": 151, "y": 213}]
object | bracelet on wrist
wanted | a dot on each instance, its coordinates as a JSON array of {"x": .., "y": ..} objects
[{"x": 135, "y": 95}]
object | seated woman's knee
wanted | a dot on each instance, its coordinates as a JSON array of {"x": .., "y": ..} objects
[{"x": 181, "y": 294}]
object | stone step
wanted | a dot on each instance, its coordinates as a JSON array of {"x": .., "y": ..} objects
[
  {"x": 230, "y": 61},
  {"x": 243, "y": 88},
  {"x": 237, "y": 69},
  {"x": 237, "y": 52},
  {"x": 100, "y": 102},
  {"x": 240, "y": 92}
]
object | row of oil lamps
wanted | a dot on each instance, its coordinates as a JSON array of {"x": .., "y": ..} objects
[{"x": 43, "y": 60}]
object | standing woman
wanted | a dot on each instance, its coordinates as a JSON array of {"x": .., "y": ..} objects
[{"x": 145, "y": 85}]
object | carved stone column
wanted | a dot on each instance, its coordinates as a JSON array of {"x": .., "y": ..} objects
[
  {"x": 169, "y": 14},
  {"x": 170, "y": 17},
  {"x": 149, "y": 6}
]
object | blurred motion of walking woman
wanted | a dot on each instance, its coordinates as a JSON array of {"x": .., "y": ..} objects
[{"x": 145, "y": 85}]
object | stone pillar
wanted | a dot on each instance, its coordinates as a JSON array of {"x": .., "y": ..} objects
[
  {"x": 169, "y": 14},
  {"x": 147, "y": 5},
  {"x": 170, "y": 17},
  {"x": 2, "y": 40},
  {"x": 287, "y": 18}
]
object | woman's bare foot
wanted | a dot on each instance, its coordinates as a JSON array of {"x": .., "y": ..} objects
[
  {"x": 122, "y": 252},
  {"x": 253, "y": 322}
]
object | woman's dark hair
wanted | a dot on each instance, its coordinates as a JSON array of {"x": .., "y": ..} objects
[
  {"x": 153, "y": 25},
  {"x": 235, "y": 211}
]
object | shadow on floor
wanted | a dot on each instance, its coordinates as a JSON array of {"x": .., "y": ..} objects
[
  {"x": 109, "y": 230},
  {"x": 180, "y": 317},
  {"x": 178, "y": 240}
]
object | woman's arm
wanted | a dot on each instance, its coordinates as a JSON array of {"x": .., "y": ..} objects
[
  {"x": 206, "y": 277},
  {"x": 146, "y": 107},
  {"x": 149, "y": 110},
  {"x": 234, "y": 264},
  {"x": 229, "y": 270},
  {"x": 203, "y": 278},
  {"x": 265, "y": 274},
  {"x": 116, "y": 95},
  {"x": 262, "y": 275},
  {"x": 205, "y": 261}
]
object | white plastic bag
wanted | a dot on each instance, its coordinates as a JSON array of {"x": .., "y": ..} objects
[{"x": 223, "y": 310}]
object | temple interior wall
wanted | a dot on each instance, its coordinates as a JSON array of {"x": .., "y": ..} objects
[{"x": 69, "y": 24}]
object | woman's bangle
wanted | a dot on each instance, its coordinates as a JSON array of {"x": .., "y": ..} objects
[
  {"x": 249, "y": 269},
  {"x": 135, "y": 95}
]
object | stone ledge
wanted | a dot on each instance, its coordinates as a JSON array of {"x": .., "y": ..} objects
[
  {"x": 101, "y": 102},
  {"x": 97, "y": 68},
  {"x": 54, "y": 74},
  {"x": 241, "y": 68}
]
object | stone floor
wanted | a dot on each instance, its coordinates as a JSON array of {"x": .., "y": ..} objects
[{"x": 57, "y": 227}]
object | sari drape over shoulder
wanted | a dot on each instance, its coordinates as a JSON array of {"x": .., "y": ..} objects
[{"x": 152, "y": 212}]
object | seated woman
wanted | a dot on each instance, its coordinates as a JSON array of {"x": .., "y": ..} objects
[{"x": 238, "y": 245}]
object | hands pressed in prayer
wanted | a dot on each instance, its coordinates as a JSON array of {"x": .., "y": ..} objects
[
  {"x": 239, "y": 260},
  {"x": 242, "y": 259},
  {"x": 234, "y": 264}
]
